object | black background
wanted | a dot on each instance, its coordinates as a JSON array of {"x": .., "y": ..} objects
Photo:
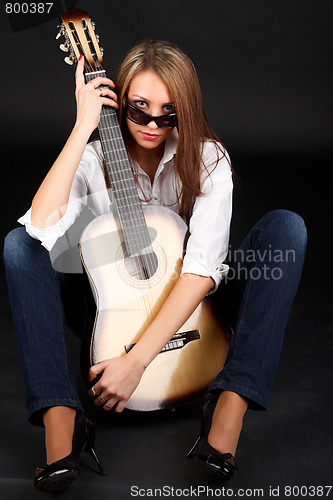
[{"x": 266, "y": 75}]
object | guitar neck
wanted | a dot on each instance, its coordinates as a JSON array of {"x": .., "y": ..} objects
[{"x": 132, "y": 221}]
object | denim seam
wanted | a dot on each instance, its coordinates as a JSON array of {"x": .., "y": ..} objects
[
  {"x": 63, "y": 335},
  {"x": 245, "y": 306},
  {"x": 258, "y": 397},
  {"x": 260, "y": 230},
  {"x": 42, "y": 402}
]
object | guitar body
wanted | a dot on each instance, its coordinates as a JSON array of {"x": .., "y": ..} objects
[{"x": 126, "y": 305}]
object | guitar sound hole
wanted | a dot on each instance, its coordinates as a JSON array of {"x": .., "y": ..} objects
[{"x": 142, "y": 267}]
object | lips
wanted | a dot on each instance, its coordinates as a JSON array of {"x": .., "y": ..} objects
[{"x": 149, "y": 137}]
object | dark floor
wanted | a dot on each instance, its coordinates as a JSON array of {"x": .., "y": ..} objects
[{"x": 291, "y": 445}]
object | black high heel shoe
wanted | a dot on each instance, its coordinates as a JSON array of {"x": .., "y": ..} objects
[
  {"x": 222, "y": 464},
  {"x": 59, "y": 475}
]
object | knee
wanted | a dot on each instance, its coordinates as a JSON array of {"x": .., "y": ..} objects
[
  {"x": 14, "y": 247},
  {"x": 289, "y": 228}
]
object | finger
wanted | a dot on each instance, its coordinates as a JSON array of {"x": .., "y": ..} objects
[
  {"x": 107, "y": 406},
  {"x": 109, "y": 102},
  {"x": 93, "y": 393},
  {"x": 110, "y": 404},
  {"x": 106, "y": 91},
  {"x": 96, "y": 369},
  {"x": 119, "y": 407},
  {"x": 101, "y": 80},
  {"x": 99, "y": 401},
  {"x": 79, "y": 76}
]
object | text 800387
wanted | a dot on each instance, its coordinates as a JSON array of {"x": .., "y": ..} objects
[
  {"x": 28, "y": 8},
  {"x": 307, "y": 491}
]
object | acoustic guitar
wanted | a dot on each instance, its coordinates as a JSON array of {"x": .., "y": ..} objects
[{"x": 133, "y": 257}]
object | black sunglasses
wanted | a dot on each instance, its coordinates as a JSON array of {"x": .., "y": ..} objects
[{"x": 141, "y": 118}]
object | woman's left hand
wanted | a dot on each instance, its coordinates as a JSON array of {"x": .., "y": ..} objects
[{"x": 119, "y": 380}]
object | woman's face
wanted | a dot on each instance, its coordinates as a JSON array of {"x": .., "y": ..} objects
[{"x": 148, "y": 92}]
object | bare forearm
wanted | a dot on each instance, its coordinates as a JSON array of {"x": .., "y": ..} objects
[
  {"x": 50, "y": 201},
  {"x": 186, "y": 295}
]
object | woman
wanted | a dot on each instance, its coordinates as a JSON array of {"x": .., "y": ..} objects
[{"x": 177, "y": 162}]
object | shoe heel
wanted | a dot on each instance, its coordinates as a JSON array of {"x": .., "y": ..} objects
[
  {"x": 90, "y": 448},
  {"x": 206, "y": 419},
  {"x": 91, "y": 451},
  {"x": 193, "y": 451}
]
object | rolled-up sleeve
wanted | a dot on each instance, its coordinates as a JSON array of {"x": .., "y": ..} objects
[
  {"x": 77, "y": 199},
  {"x": 209, "y": 226}
]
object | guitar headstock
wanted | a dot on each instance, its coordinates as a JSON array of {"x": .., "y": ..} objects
[{"x": 80, "y": 39}]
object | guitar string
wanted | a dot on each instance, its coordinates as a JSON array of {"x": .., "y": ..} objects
[
  {"x": 139, "y": 269},
  {"x": 132, "y": 212},
  {"x": 145, "y": 306},
  {"x": 127, "y": 183},
  {"x": 149, "y": 263},
  {"x": 117, "y": 178},
  {"x": 128, "y": 212},
  {"x": 123, "y": 182}
]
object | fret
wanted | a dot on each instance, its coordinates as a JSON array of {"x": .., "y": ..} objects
[
  {"x": 135, "y": 224},
  {"x": 130, "y": 210},
  {"x": 127, "y": 210},
  {"x": 122, "y": 180},
  {"x": 135, "y": 239},
  {"x": 139, "y": 221},
  {"x": 114, "y": 151},
  {"x": 138, "y": 249},
  {"x": 115, "y": 139},
  {"x": 110, "y": 127},
  {"x": 125, "y": 191},
  {"x": 120, "y": 142},
  {"x": 138, "y": 236},
  {"x": 132, "y": 221},
  {"x": 131, "y": 217},
  {"x": 122, "y": 183},
  {"x": 134, "y": 196},
  {"x": 94, "y": 73},
  {"x": 107, "y": 128},
  {"x": 123, "y": 194}
]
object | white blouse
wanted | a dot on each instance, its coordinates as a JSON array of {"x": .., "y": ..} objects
[{"x": 209, "y": 226}]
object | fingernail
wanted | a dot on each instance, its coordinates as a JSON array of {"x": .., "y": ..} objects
[{"x": 81, "y": 57}]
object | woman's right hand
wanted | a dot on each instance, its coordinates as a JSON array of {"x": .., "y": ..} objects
[{"x": 90, "y": 98}]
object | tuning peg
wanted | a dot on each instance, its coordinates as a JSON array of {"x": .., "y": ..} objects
[
  {"x": 61, "y": 32},
  {"x": 64, "y": 47},
  {"x": 93, "y": 25},
  {"x": 102, "y": 50},
  {"x": 97, "y": 37},
  {"x": 69, "y": 60}
]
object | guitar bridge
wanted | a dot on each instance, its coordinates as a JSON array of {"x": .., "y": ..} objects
[{"x": 178, "y": 341}]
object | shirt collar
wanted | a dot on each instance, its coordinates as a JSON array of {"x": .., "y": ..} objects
[{"x": 170, "y": 148}]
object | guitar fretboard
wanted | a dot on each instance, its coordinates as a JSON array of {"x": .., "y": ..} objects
[{"x": 132, "y": 221}]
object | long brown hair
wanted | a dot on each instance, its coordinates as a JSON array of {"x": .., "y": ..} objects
[{"x": 175, "y": 68}]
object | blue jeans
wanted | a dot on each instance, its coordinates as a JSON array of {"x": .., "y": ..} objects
[
  {"x": 257, "y": 296},
  {"x": 255, "y": 299}
]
